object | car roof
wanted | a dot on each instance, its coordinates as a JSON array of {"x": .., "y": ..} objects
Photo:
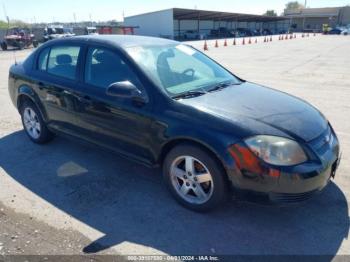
[{"x": 122, "y": 41}]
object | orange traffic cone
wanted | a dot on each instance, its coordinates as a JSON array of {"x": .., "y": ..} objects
[
  {"x": 205, "y": 46},
  {"x": 225, "y": 43},
  {"x": 234, "y": 41},
  {"x": 216, "y": 44},
  {"x": 243, "y": 41}
]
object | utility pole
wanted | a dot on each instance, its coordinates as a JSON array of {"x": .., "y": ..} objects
[
  {"x": 4, "y": 8},
  {"x": 5, "y": 13},
  {"x": 75, "y": 19},
  {"x": 305, "y": 3}
]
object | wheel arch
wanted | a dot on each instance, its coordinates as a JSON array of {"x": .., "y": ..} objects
[
  {"x": 169, "y": 145},
  {"x": 26, "y": 93}
]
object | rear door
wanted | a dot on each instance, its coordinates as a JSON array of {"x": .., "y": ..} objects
[{"x": 56, "y": 81}]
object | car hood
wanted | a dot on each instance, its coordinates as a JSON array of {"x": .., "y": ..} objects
[{"x": 253, "y": 106}]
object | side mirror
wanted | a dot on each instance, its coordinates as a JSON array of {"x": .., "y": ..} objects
[{"x": 126, "y": 89}]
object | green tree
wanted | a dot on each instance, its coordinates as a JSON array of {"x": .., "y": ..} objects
[
  {"x": 18, "y": 23},
  {"x": 3, "y": 24},
  {"x": 294, "y": 5},
  {"x": 270, "y": 13}
]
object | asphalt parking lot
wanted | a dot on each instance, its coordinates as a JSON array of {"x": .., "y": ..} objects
[{"x": 69, "y": 198}]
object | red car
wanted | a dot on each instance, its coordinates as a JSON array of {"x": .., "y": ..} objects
[{"x": 19, "y": 38}]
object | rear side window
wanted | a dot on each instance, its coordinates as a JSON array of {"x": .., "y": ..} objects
[
  {"x": 42, "y": 61},
  {"x": 63, "y": 61}
]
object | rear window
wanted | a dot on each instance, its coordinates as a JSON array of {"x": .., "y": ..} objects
[
  {"x": 63, "y": 61},
  {"x": 42, "y": 61}
]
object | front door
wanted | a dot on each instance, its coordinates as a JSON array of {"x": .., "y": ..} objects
[{"x": 117, "y": 123}]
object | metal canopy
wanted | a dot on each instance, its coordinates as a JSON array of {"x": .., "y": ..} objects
[{"x": 193, "y": 14}]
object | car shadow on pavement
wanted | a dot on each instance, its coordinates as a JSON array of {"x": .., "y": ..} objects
[{"x": 128, "y": 202}]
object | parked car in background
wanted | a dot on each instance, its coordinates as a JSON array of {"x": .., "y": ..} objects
[
  {"x": 191, "y": 34},
  {"x": 266, "y": 31},
  {"x": 335, "y": 31},
  {"x": 18, "y": 37},
  {"x": 243, "y": 32},
  {"x": 222, "y": 32},
  {"x": 282, "y": 31},
  {"x": 345, "y": 31},
  {"x": 56, "y": 32},
  {"x": 91, "y": 30},
  {"x": 163, "y": 103},
  {"x": 225, "y": 32},
  {"x": 256, "y": 32}
]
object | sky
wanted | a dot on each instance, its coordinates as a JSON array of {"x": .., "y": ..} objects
[{"x": 103, "y": 10}]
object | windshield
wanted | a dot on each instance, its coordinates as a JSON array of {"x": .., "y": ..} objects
[
  {"x": 67, "y": 30},
  {"x": 53, "y": 30},
  {"x": 179, "y": 68},
  {"x": 18, "y": 31},
  {"x": 92, "y": 30}
]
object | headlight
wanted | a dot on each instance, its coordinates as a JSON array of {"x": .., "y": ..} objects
[{"x": 276, "y": 150}]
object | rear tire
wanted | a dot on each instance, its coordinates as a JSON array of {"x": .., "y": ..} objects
[
  {"x": 194, "y": 178},
  {"x": 34, "y": 124},
  {"x": 3, "y": 46}
]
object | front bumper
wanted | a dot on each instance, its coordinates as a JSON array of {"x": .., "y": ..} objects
[{"x": 254, "y": 179}]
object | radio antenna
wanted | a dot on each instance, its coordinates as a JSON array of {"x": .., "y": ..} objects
[{"x": 14, "y": 56}]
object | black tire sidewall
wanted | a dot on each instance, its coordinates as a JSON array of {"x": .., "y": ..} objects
[
  {"x": 3, "y": 46},
  {"x": 21, "y": 45},
  {"x": 217, "y": 172}
]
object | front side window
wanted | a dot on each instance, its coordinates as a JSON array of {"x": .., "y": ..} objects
[
  {"x": 104, "y": 67},
  {"x": 63, "y": 61},
  {"x": 179, "y": 68}
]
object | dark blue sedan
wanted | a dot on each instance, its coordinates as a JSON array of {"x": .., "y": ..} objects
[{"x": 160, "y": 102}]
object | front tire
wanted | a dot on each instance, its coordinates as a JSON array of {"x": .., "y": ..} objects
[
  {"x": 194, "y": 178},
  {"x": 21, "y": 45},
  {"x": 34, "y": 124}
]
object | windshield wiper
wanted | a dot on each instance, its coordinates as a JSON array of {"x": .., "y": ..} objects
[
  {"x": 189, "y": 94},
  {"x": 222, "y": 85}
]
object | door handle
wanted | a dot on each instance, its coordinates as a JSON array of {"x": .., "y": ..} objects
[
  {"x": 83, "y": 98},
  {"x": 67, "y": 92}
]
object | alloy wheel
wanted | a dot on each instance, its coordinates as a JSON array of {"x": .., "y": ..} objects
[
  {"x": 191, "y": 179},
  {"x": 31, "y": 123}
]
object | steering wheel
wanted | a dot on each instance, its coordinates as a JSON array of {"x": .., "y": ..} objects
[{"x": 189, "y": 72}]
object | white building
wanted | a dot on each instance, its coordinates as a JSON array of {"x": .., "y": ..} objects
[{"x": 175, "y": 22}]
